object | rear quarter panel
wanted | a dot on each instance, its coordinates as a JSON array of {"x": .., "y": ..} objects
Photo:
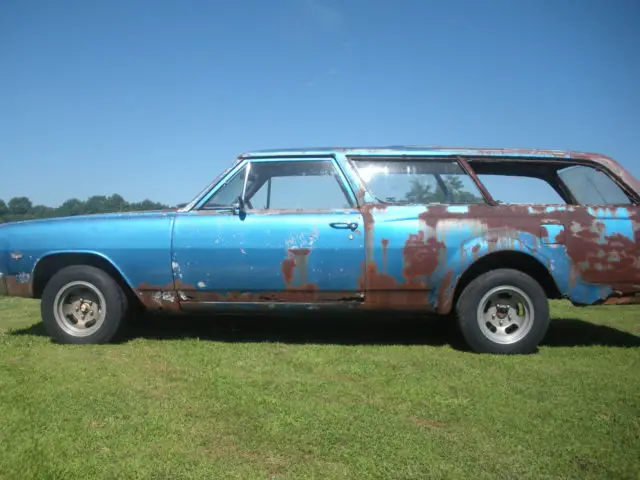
[{"x": 431, "y": 247}]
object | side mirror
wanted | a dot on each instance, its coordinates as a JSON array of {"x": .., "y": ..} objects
[{"x": 241, "y": 209}]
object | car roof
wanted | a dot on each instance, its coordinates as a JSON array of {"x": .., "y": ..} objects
[{"x": 427, "y": 151}]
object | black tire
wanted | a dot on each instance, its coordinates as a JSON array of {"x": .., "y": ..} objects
[
  {"x": 115, "y": 305},
  {"x": 470, "y": 324}
]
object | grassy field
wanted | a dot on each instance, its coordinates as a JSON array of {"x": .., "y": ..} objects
[{"x": 319, "y": 398}]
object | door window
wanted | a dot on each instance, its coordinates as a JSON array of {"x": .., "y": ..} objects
[{"x": 285, "y": 185}]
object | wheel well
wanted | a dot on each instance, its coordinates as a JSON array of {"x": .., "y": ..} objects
[
  {"x": 47, "y": 267},
  {"x": 514, "y": 260}
]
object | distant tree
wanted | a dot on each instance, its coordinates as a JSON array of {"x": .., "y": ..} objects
[
  {"x": 3, "y": 208},
  {"x": 19, "y": 206},
  {"x": 42, "y": 211},
  {"x": 71, "y": 207},
  {"x": 147, "y": 205},
  {"x": 115, "y": 203},
  {"x": 96, "y": 204}
]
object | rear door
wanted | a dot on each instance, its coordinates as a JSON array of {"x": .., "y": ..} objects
[
  {"x": 298, "y": 239},
  {"x": 416, "y": 223}
]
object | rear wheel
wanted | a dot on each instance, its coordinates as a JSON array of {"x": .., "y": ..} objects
[
  {"x": 503, "y": 311},
  {"x": 82, "y": 305}
]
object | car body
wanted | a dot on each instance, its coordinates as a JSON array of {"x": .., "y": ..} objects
[{"x": 396, "y": 228}]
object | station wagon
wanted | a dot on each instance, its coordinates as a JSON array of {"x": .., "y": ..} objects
[{"x": 411, "y": 229}]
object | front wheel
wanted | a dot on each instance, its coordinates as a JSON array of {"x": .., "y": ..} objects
[
  {"x": 82, "y": 305},
  {"x": 503, "y": 311}
]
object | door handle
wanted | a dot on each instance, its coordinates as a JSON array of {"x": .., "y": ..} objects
[{"x": 344, "y": 225}]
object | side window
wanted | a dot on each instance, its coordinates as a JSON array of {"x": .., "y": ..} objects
[
  {"x": 227, "y": 195},
  {"x": 418, "y": 181},
  {"x": 297, "y": 185},
  {"x": 519, "y": 181},
  {"x": 520, "y": 190},
  {"x": 280, "y": 185},
  {"x": 590, "y": 186}
]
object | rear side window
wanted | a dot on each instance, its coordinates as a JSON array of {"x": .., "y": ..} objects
[
  {"x": 590, "y": 186},
  {"x": 553, "y": 181},
  {"x": 515, "y": 189},
  {"x": 398, "y": 181}
]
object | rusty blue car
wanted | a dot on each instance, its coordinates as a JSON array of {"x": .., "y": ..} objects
[{"x": 411, "y": 229}]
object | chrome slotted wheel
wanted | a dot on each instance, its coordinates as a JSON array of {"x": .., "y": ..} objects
[
  {"x": 79, "y": 308},
  {"x": 505, "y": 314}
]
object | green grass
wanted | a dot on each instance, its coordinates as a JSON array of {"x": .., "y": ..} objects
[{"x": 312, "y": 398}]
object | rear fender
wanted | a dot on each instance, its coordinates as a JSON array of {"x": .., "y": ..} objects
[{"x": 552, "y": 257}]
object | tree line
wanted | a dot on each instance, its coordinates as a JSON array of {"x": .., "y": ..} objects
[{"x": 22, "y": 208}]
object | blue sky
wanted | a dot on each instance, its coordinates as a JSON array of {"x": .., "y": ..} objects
[{"x": 151, "y": 99}]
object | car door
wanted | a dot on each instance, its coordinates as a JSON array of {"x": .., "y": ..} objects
[
  {"x": 409, "y": 242},
  {"x": 297, "y": 238}
]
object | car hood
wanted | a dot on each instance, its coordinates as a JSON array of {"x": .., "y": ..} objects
[
  {"x": 93, "y": 216},
  {"x": 88, "y": 217}
]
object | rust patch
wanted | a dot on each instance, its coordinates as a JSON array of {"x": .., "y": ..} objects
[
  {"x": 624, "y": 295},
  {"x": 306, "y": 293},
  {"x": 627, "y": 300},
  {"x": 295, "y": 265},
  {"x": 385, "y": 248},
  {"x": 421, "y": 255},
  {"x": 475, "y": 252},
  {"x": 163, "y": 298},
  {"x": 445, "y": 299},
  {"x": 19, "y": 286},
  {"x": 383, "y": 290},
  {"x": 287, "y": 266}
]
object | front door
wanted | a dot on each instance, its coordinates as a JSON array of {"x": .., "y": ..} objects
[{"x": 297, "y": 239}]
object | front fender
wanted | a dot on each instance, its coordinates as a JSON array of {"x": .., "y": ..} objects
[
  {"x": 138, "y": 246},
  {"x": 92, "y": 253}
]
